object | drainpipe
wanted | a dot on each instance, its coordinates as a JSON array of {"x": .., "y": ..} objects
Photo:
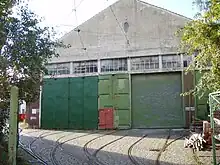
[
  {"x": 40, "y": 100},
  {"x": 71, "y": 68},
  {"x": 183, "y": 90}
]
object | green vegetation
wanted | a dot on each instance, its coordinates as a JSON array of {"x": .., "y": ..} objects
[
  {"x": 201, "y": 36},
  {"x": 25, "y": 48}
]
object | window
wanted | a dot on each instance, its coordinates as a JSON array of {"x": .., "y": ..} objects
[
  {"x": 126, "y": 27},
  {"x": 110, "y": 65},
  {"x": 58, "y": 69},
  {"x": 85, "y": 67},
  {"x": 145, "y": 63},
  {"x": 171, "y": 61},
  {"x": 186, "y": 60}
]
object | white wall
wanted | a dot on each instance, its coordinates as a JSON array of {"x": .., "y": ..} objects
[{"x": 151, "y": 31}]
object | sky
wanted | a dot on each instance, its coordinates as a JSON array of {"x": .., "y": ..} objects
[{"x": 61, "y": 15}]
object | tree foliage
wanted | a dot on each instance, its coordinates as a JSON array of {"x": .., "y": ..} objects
[
  {"x": 25, "y": 50},
  {"x": 5, "y": 11},
  {"x": 201, "y": 37}
]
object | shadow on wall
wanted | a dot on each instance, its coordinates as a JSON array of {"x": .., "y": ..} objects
[{"x": 73, "y": 153}]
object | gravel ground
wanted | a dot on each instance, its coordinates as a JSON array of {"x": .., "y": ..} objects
[
  {"x": 116, "y": 153},
  {"x": 27, "y": 136},
  {"x": 76, "y": 146},
  {"x": 42, "y": 147},
  {"x": 71, "y": 152},
  {"x": 205, "y": 157},
  {"x": 145, "y": 152},
  {"x": 105, "y": 141},
  {"x": 175, "y": 153}
]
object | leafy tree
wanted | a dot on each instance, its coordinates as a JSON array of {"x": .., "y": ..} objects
[
  {"x": 5, "y": 6},
  {"x": 5, "y": 11},
  {"x": 201, "y": 37},
  {"x": 26, "y": 49}
]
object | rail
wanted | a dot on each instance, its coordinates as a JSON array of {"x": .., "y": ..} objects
[{"x": 214, "y": 103}]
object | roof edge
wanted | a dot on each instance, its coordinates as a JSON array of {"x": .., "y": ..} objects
[
  {"x": 141, "y": 1},
  {"x": 161, "y": 8}
]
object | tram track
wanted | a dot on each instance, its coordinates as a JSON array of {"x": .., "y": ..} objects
[
  {"x": 90, "y": 157},
  {"x": 41, "y": 136},
  {"x": 60, "y": 144},
  {"x": 130, "y": 156},
  {"x": 31, "y": 151},
  {"x": 166, "y": 145},
  {"x": 93, "y": 156},
  {"x": 85, "y": 147},
  {"x": 52, "y": 160},
  {"x": 28, "y": 134},
  {"x": 36, "y": 157}
]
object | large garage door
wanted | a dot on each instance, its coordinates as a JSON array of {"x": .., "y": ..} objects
[
  {"x": 55, "y": 104},
  {"x": 156, "y": 101},
  {"x": 114, "y": 91},
  {"x": 70, "y": 103}
]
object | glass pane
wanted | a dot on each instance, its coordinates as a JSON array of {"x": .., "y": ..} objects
[
  {"x": 171, "y": 61},
  {"x": 114, "y": 65},
  {"x": 58, "y": 69},
  {"x": 145, "y": 63},
  {"x": 85, "y": 67}
]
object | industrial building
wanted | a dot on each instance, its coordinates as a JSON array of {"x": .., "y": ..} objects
[{"x": 124, "y": 58}]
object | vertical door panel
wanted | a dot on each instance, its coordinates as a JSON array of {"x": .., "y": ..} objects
[
  {"x": 105, "y": 91},
  {"x": 76, "y": 103},
  {"x": 61, "y": 91},
  {"x": 121, "y": 99},
  {"x": 91, "y": 102}
]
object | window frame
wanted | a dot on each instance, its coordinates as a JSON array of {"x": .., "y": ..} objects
[
  {"x": 114, "y": 65},
  {"x": 172, "y": 62},
  {"x": 84, "y": 67},
  {"x": 145, "y": 63},
  {"x": 58, "y": 68}
]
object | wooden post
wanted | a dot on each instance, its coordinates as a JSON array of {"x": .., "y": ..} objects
[{"x": 13, "y": 126}]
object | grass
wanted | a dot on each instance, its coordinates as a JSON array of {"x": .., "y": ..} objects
[
  {"x": 4, "y": 156},
  {"x": 21, "y": 158}
]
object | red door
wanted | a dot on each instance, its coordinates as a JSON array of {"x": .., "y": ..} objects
[{"x": 106, "y": 118}]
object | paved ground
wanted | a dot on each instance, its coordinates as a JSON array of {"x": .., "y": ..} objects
[{"x": 125, "y": 147}]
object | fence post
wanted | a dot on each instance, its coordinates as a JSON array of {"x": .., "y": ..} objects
[{"x": 13, "y": 126}]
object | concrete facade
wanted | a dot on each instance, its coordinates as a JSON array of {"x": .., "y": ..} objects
[
  {"x": 129, "y": 37},
  {"x": 149, "y": 29}
]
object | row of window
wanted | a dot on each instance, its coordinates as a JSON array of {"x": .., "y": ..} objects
[
  {"x": 85, "y": 67},
  {"x": 110, "y": 65},
  {"x": 120, "y": 64},
  {"x": 143, "y": 63},
  {"x": 58, "y": 69}
]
